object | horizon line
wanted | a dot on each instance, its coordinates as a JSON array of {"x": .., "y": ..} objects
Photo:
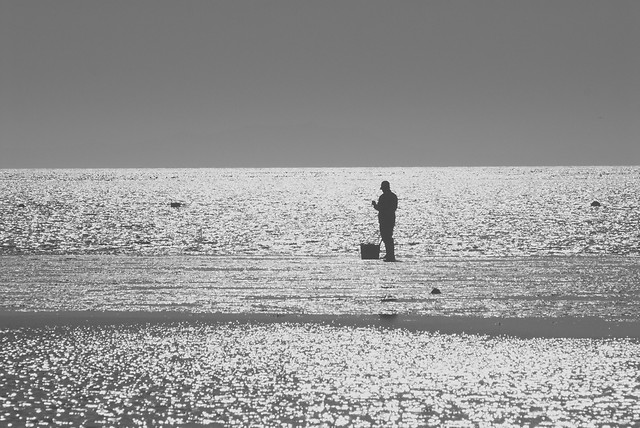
[{"x": 319, "y": 167}]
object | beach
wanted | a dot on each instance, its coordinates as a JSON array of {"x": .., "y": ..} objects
[{"x": 605, "y": 287}]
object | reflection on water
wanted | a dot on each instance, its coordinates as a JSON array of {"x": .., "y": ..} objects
[
  {"x": 442, "y": 211},
  {"x": 292, "y": 374},
  {"x": 594, "y": 286},
  {"x": 507, "y": 242}
]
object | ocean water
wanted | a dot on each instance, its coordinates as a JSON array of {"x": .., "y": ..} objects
[
  {"x": 509, "y": 242},
  {"x": 497, "y": 242},
  {"x": 461, "y": 212},
  {"x": 311, "y": 375}
]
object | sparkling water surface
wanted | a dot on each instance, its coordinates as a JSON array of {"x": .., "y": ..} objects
[
  {"x": 596, "y": 286},
  {"x": 292, "y": 375},
  {"x": 442, "y": 211},
  {"x": 497, "y": 242}
]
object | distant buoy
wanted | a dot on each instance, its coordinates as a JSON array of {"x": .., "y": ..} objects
[
  {"x": 595, "y": 204},
  {"x": 176, "y": 204},
  {"x": 436, "y": 291}
]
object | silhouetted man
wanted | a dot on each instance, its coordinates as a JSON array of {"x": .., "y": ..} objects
[{"x": 386, "y": 206}]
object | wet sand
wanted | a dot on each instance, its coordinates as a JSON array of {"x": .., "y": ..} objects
[
  {"x": 565, "y": 327},
  {"x": 548, "y": 287}
]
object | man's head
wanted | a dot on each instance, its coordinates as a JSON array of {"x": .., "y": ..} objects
[{"x": 385, "y": 187}]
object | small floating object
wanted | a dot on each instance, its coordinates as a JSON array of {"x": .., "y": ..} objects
[
  {"x": 176, "y": 204},
  {"x": 596, "y": 204},
  {"x": 21, "y": 205},
  {"x": 389, "y": 298},
  {"x": 436, "y": 291}
]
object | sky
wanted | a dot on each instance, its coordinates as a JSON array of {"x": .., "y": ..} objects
[{"x": 318, "y": 83}]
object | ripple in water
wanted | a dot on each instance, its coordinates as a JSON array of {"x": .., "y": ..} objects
[
  {"x": 442, "y": 211},
  {"x": 288, "y": 374}
]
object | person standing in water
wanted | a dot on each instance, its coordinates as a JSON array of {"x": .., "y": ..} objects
[{"x": 386, "y": 207}]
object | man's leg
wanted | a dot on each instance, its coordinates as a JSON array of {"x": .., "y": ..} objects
[
  {"x": 390, "y": 255},
  {"x": 386, "y": 232}
]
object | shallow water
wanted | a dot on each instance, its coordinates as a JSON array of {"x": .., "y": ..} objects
[
  {"x": 290, "y": 375},
  {"x": 497, "y": 242},
  {"x": 296, "y": 212},
  {"x": 595, "y": 286}
]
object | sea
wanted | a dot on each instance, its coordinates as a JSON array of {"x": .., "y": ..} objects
[
  {"x": 503, "y": 241},
  {"x": 481, "y": 242}
]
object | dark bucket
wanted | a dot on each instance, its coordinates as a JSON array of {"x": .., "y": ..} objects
[{"x": 370, "y": 251}]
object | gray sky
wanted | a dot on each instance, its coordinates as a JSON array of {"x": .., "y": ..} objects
[{"x": 189, "y": 83}]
